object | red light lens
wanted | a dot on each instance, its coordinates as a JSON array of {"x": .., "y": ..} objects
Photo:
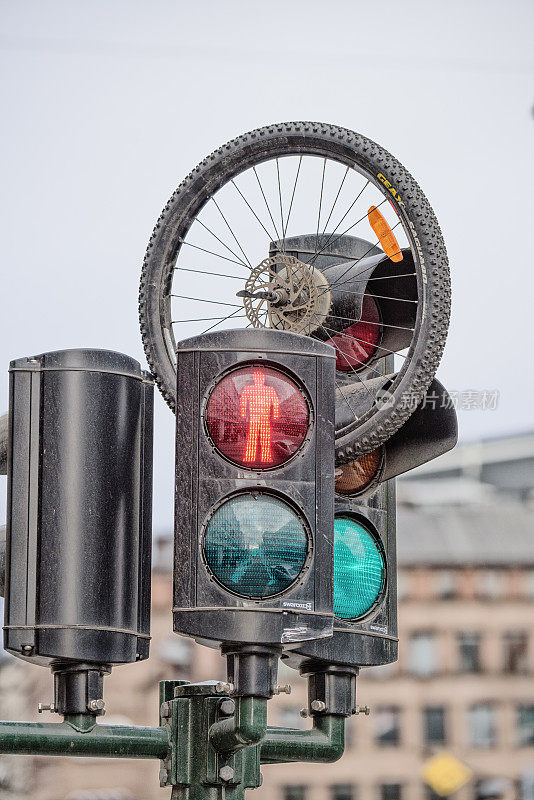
[
  {"x": 356, "y": 345},
  {"x": 257, "y": 417}
]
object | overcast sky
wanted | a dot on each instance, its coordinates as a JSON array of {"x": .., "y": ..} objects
[{"x": 107, "y": 105}]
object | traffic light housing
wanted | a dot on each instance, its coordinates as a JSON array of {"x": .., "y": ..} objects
[
  {"x": 254, "y": 488},
  {"x": 386, "y": 315},
  {"x": 365, "y": 562},
  {"x": 365, "y": 529},
  {"x": 79, "y": 516}
]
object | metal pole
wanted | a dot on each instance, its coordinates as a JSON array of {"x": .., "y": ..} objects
[
  {"x": 325, "y": 742},
  {"x": 83, "y": 737},
  {"x": 245, "y": 728}
]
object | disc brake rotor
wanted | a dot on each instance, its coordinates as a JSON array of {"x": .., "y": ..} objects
[{"x": 302, "y": 295}]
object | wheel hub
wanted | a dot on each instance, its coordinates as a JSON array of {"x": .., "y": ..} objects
[{"x": 300, "y": 295}]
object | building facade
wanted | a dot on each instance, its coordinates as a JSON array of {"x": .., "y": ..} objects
[{"x": 463, "y": 685}]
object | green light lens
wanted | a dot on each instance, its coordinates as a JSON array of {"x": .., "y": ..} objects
[
  {"x": 359, "y": 569},
  {"x": 255, "y": 545}
]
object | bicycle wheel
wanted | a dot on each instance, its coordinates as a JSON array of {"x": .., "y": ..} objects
[{"x": 315, "y": 229}]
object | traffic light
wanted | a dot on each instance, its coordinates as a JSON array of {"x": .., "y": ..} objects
[
  {"x": 79, "y": 517},
  {"x": 254, "y": 491},
  {"x": 386, "y": 316},
  {"x": 365, "y": 567}
]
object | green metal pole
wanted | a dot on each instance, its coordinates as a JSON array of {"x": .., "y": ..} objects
[
  {"x": 81, "y": 736},
  {"x": 325, "y": 742},
  {"x": 246, "y": 728}
]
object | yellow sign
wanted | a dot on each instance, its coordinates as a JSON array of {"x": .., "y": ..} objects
[{"x": 445, "y": 774}]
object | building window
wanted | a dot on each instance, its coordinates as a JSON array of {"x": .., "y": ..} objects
[
  {"x": 294, "y": 792},
  {"x": 446, "y": 584},
  {"x": 343, "y": 791},
  {"x": 390, "y": 791},
  {"x": 482, "y": 725},
  {"x": 525, "y": 725},
  {"x": 526, "y": 786},
  {"x": 469, "y": 651},
  {"x": 529, "y": 584},
  {"x": 434, "y": 725},
  {"x": 403, "y": 584},
  {"x": 515, "y": 645},
  {"x": 423, "y": 653},
  {"x": 387, "y": 725},
  {"x": 490, "y": 583},
  {"x": 493, "y": 789}
]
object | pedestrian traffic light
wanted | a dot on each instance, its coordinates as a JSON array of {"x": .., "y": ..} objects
[
  {"x": 365, "y": 565},
  {"x": 365, "y": 569},
  {"x": 79, "y": 467},
  {"x": 254, "y": 489},
  {"x": 373, "y": 297}
]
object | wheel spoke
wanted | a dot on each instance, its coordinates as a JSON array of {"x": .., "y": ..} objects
[
  {"x": 202, "y": 300},
  {"x": 320, "y": 206},
  {"x": 329, "y": 240},
  {"x": 368, "y": 322},
  {"x": 343, "y": 395},
  {"x": 277, "y": 236},
  {"x": 204, "y": 272},
  {"x": 353, "y": 371},
  {"x": 231, "y": 231},
  {"x": 281, "y": 207},
  {"x": 368, "y": 269},
  {"x": 198, "y": 319},
  {"x": 336, "y": 199},
  {"x": 388, "y": 277},
  {"x": 211, "y": 253},
  {"x": 376, "y": 346},
  {"x": 248, "y": 204},
  {"x": 240, "y": 260},
  {"x": 233, "y": 314},
  {"x": 284, "y": 229},
  {"x": 376, "y": 296},
  {"x": 340, "y": 236}
]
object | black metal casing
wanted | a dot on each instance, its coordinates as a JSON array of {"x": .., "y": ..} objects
[
  {"x": 202, "y": 608},
  {"x": 372, "y": 640},
  {"x": 429, "y": 432},
  {"x": 79, "y": 508}
]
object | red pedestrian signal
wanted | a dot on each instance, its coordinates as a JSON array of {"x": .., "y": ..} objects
[
  {"x": 257, "y": 417},
  {"x": 260, "y": 406}
]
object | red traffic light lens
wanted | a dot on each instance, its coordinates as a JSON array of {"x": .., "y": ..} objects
[
  {"x": 257, "y": 417},
  {"x": 356, "y": 344},
  {"x": 354, "y": 477}
]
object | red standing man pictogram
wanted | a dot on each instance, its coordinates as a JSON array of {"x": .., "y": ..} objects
[{"x": 261, "y": 404}]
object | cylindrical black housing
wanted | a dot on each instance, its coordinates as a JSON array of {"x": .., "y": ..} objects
[{"x": 79, "y": 508}]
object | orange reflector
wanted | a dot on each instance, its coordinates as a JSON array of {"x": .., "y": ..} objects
[
  {"x": 386, "y": 237},
  {"x": 356, "y": 476}
]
